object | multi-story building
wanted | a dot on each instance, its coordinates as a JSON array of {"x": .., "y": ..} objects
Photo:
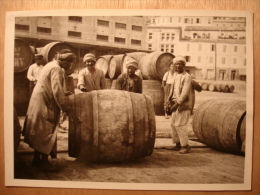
[
  {"x": 214, "y": 47},
  {"x": 99, "y": 35}
]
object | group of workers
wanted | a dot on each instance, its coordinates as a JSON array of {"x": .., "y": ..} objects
[{"x": 48, "y": 98}]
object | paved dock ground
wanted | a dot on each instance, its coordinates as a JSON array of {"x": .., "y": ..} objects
[{"x": 202, "y": 165}]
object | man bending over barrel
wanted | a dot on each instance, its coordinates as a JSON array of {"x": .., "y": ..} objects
[
  {"x": 47, "y": 100},
  {"x": 129, "y": 81},
  {"x": 91, "y": 78},
  {"x": 181, "y": 104}
]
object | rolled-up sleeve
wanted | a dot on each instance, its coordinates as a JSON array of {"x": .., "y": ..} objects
[{"x": 81, "y": 79}]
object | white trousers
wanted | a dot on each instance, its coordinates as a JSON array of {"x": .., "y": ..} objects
[{"x": 179, "y": 123}]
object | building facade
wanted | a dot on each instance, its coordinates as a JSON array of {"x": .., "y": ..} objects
[
  {"x": 214, "y": 47},
  {"x": 100, "y": 35}
]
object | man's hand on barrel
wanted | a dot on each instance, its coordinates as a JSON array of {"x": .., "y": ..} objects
[
  {"x": 174, "y": 107},
  {"x": 82, "y": 88}
]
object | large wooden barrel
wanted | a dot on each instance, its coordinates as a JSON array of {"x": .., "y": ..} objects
[
  {"x": 154, "y": 65},
  {"x": 23, "y": 55},
  {"x": 217, "y": 123},
  {"x": 115, "y": 126},
  {"x": 17, "y": 132},
  {"x": 224, "y": 88},
  {"x": 153, "y": 89},
  {"x": 51, "y": 49},
  {"x": 204, "y": 86},
  {"x": 103, "y": 63},
  {"x": 21, "y": 93},
  {"x": 115, "y": 66},
  {"x": 243, "y": 134},
  {"x": 135, "y": 55}
]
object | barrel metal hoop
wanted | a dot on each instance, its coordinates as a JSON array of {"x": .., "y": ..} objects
[
  {"x": 130, "y": 124},
  {"x": 95, "y": 124},
  {"x": 130, "y": 117},
  {"x": 146, "y": 120}
]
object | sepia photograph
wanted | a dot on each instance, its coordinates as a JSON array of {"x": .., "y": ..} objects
[{"x": 129, "y": 99}]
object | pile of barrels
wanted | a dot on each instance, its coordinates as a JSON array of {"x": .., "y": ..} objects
[
  {"x": 23, "y": 58},
  {"x": 152, "y": 67},
  {"x": 219, "y": 87}
]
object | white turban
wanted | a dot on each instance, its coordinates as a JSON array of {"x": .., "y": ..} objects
[
  {"x": 131, "y": 62},
  {"x": 89, "y": 56},
  {"x": 66, "y": 56},
  {"x": 179, "y": 59}
]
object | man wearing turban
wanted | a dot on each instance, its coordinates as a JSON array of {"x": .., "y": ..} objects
[
  {"x": 91, "y": 78},
  {"x": 181, "y": 105},
  {"x": 47, "y": 100},
  {"x": 129, "y": 81}
]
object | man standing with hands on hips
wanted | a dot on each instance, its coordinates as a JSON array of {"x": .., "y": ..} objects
[{"x": 181, "y": 104}]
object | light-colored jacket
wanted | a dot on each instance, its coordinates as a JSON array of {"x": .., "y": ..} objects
[
  {"x": 185, "y": 100},
  {"x": 96, "y": 82},
  {"x": 48, "y": 97},
  {"x": 34, "y": 72}
]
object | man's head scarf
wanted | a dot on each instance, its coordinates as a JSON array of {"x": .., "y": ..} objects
[
  {"x": 38, "y": 56},
  {"x": 179, "y": 59},
  {"x": 89, "y": 56},
  {"x": 65, "y": 55},
  {"x": 131, "y": 62}
]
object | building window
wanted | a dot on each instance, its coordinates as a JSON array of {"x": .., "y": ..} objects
[
  {"x": 199, "y": 58},
  {"x": 213, "y": 47},
  {"x": 197, "y": 20},
  {"x": 244, "y": 62},
  {"x": 187, "y": 58},
  {"x": 102, "y": 23},
  {"x": 186, "y": 20},
  {"x": 167, "y": 36},
  {"x": 173, "y": 36},
  {"x": 172, "y": 48},
  {"x": 74, "y": 34},
  {"x": 22, "y": 27},
  {"x": 162, "y": 36},
  {"x": 102, "y": 38},
  {"x": 150, "y": 35},
  {"x": 119, "y": 40},
  {"x": 135, "y": 42},
  {"x": 75, "y": 18},
  {"x": 136, "y": 28},
  {"x": 120, "y": 25},
  {"x": 235, "y": 48},
  {"x": 162, "y": 47},
  {"x": 149, "y": 46},
  {"x": 44, "y": 30},
  {"x": 234, "y": 61}
]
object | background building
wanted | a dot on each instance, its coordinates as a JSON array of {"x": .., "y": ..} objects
[{"x": 214, "y": 47}]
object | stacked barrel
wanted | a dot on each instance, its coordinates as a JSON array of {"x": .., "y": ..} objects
[
  {"x": 218, "y": 87},
  {"x": 152, "y": 67},
  {"x": 23, "y": 58}
]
